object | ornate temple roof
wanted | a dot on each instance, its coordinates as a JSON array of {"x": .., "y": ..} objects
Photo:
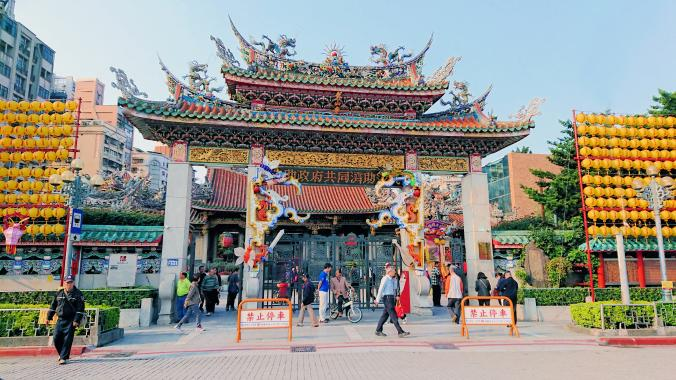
[
  {"x": 277, "y": 97},
  {"x": 229, "y": 195},
  {"x": 630, "y": 245}
]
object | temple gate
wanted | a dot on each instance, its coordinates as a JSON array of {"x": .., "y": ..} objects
[{"x": 295, "y": 122}]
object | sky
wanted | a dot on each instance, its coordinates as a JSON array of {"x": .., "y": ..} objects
[{"x": 586, "y": 55}]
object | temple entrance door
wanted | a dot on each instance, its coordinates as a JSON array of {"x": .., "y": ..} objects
[{"x": 362, "y": 260}]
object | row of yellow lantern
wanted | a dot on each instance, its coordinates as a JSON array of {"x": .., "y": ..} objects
[
  {"x": 27, "y": 171},
  {"x": 598, "y": 180},
  {"x": 651, "y": 121},
  {"x": 34, "y": 118},
  {"x": 624, "y": 132},
  {"x": 630, "y": 154},
  {"x": 27, "y": 185},
  {"x": 35, "y": 212},
  {"x": 32, "y": 130},
  {"x": 37, "y": 156},
  {"x": 38, "y": 106},
  {"x": 632, "y": 215},
  {"x": 631, "y": 203},
  {"x": 37, "y": 143},
  {"x": 609, "y": 192},
  {"x": 618, "y": 142},
  {"x": 36, "y": 199},
  {"x": 630, "y": 231},
  {"x": 608, "y": 164},
  {"x": 45, "y": 229}
]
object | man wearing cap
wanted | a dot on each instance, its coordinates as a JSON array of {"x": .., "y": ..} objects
[
  {"x": 69, "y": 306},
  {"x": 388, "y": 293}
]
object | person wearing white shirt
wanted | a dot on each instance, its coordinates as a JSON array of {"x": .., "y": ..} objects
[{"x": 387, "y": 292}]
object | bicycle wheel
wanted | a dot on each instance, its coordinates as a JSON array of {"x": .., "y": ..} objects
[
  {"x": 334, "y": 313},
  {"x": 354, "y": 314}
]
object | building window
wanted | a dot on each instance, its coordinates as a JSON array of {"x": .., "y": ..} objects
[
  {"x": 20, "y": 84},
  {"x": 5, "y": 47},
  {"x": 47, "y": 54},
  {"x": 22, "y": 65},
  {"x": 25, "y": 46},
  {"x": 9, "y": 26},
  {"x": 45, "y": 74},
  {"x": 5, "y": 70},
  {"x": 4, "y": 92},
  {"x": 43, "y": 93}
]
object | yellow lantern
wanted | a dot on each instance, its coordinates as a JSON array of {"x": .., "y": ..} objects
[
  {"x": 33, "y": 213},
  {"x": 634, "y": 215},
  {"x": 600, "y": 202},
  {"x": 666, "y": 232},
  {"x": 46, "y": 229},
  {"x": 586, "y": 163},
  {"x": 590, "y": 202},
  {"x": 50, "y": 156},
  {"x": 580, "y": 117},
  {"x": 58, "y": 229},
  {"x": 11, "y": 185},
  {"x": 46, "y": 213},
  {"x": 34, "y": 199},
  {"x": 603, "y": 215},
  {"x": 592, "y": 230},
  {"x": 59, "y": 212},
  {"x": 29, "y": 143},
  {"x": 586, "y": 179},
  {"x": 59, "y": 106},
  {"x": 67, "y": 130},
  {"x": 67, "y": 118},
  {"x": 39, "y": 156},
  {"x": 592, "y": 214},
  {"x": 46, "y": 106},
  {"x": 71, "y": 105},
  {"x": 623, "y": 215},
  {"x": 665, "y": 215},
  {"x": 27, "y": 156}
]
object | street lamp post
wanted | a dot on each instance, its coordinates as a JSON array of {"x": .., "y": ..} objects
[
  {"x": 656, "y": 194},
  {"x": 76, "y": 187}
]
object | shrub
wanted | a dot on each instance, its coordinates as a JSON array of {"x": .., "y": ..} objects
[
  {"x": 567, "y": 296},
  {"x": 667, "y": 313},
  {"x": 121, "y": 218},
  {"x": 557, "y": 270},
  {"x": 122, "y": 298},
  {"x": 25, "y": 322},
  {"x": 589, "y": 314}
]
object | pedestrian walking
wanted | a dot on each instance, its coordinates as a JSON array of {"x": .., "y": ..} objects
[
  {"x": 182, "y": 288},
  {"x": 233, "y": 289},
  {"x": 454, "y": 291},
  {"x": 340, "y": 290},
  {"x": 509, "y": 288},
  {"x": 306, "y": 302},
  {"x": 69, "y": 306},
  {"x": 324, "y": 293},
  {"x": 192, "y": 304},
  {"x": 499, "y": 278},
  {"x": 388, "y": 293},
  {"x": 435, "y": 282},
  {"x": 202, "y": 274},
  {"x": 483, "y": 288},
  {"x": 210, "y": 289}
]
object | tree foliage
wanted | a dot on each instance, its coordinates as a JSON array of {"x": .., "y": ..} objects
[
  {"x": 122, "y": 218},
  {"x": 523, "y": 149},
  {"x": 666, "y": 103}
]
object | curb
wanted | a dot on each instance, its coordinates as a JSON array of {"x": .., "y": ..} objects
[
  {"x": 38, "y": 351},
  {"x": 638, "y": 341}
]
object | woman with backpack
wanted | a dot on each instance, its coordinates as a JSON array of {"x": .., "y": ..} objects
[{"x": 483, "y": 288}]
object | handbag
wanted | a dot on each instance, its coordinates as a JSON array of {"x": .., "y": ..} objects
[{"x": 399, "y": 310}]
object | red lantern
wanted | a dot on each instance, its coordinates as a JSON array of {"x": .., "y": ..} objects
[
  {"x": 256, "y": 189},
  {"x": 227, "y": 241},
  {"x": 416, "y": 192}
]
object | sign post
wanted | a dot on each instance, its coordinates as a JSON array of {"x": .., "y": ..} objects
[
  {"x": 487, "y": 315},
  {"x": 268, "y": 318}
]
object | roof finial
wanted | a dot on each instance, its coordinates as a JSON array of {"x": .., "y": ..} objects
[
  {"x": 444, "y": 71},
  {"x": 526, "y": 113},
  {"x": 125, "y": 84}
]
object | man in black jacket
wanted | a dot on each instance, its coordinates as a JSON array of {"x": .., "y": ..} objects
[
  {"x": 69, "y": 306},
  {"x": 509, "y": 288}
]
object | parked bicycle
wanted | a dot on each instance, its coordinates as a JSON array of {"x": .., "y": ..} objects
[{"x": 351, "y": 310}]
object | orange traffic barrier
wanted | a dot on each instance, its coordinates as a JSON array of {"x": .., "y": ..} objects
[
  {"x": 268, "y": 318},
  {"x": 501, "y": 315}
]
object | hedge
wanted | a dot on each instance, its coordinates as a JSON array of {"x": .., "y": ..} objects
[
  {"x": 121, "y": 218},
  {"x": 121, "y": 298},
  {"x": 569, "y": 296},
  {"x": 25, "y": 322},
  {"x": 589, "y": 314}
]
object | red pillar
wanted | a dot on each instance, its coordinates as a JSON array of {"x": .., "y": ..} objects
[
  {"x": 601, "y": 272},
  {"x": 640, "y": 268}
]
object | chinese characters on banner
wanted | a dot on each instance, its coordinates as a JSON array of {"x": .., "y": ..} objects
[
  {"x": 488, "y": 315},
  {"x": 334, "y": 176},
  {"x": 257, "y": 318}
]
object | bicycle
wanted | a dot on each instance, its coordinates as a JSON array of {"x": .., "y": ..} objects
[{"x": 352, "y": 312}]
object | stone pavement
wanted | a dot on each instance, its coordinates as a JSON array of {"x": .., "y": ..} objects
[{"x": 435, "y": 350}]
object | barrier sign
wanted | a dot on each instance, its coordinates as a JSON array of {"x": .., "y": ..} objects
[
  {"x": 268, "y": 318},
  {"x": 498, "y": 315}
]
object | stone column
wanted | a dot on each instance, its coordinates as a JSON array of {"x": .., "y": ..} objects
[
  {"x": 176, "y": 229},
  {"x": 477, "y": 227},
  {"x": 252, "y": 280},
  {"x": 202, "y": 245}
]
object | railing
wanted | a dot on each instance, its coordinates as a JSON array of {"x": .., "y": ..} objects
[
  {"x": 625, "y": 317},
  {"x": 666, "y": 313},
  {"x": 31, "y": 322}
]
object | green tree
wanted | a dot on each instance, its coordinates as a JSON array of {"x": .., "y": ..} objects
[
  {"x": 522, "y": 149},
  {"x": 666, "y": 103}
]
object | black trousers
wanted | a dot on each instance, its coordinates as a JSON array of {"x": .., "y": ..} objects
[
  {"x": 484, "y": 302},
  {"x": 340, "y": 299},
  {"x": 436, "y": 295},
  {"x": 231, "y": 301},
  {"x": 514, "y": 307},
  {"x": 454, "y": 308},
  {"x": 64, "y": 331},
  {"x": 211, "y": 299},
  {"x": 388, "y": 312}
]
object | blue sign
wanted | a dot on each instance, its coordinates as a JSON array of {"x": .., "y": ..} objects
[
  {"x": 76, "y": 221},
  {"x": 172, "y": 262}
]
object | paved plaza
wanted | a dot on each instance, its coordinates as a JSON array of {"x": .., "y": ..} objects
[{"x": 341, "y": 349}]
